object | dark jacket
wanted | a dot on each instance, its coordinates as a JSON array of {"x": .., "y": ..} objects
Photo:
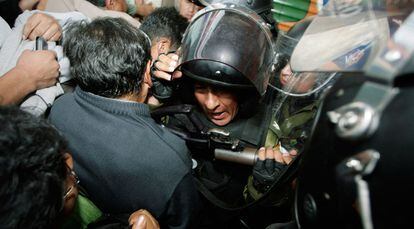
[{"x": 124, "y": 160}]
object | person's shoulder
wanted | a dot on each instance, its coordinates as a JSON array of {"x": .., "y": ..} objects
[
  {"x": 171, "y": 140},
  {"x": 63, "y": 100},
  {"x": 61, "y": 106},
  {"x": 165, "y": 134}
]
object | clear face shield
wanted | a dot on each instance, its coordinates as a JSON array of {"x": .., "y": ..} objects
[
  {"x": 289, "y": 82},
  {"x": 297, "y": 97},
  {"x": 347, "y": 36}
]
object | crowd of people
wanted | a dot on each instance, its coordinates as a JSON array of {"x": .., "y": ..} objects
[
  {"x": 116, "y": 121},
  {"x": 111, "y": 163}
]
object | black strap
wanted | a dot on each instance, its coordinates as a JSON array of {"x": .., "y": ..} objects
[{"x": 212, "y": 197}]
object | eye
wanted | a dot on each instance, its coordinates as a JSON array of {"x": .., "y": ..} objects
[{"x": 200, "y": 88}]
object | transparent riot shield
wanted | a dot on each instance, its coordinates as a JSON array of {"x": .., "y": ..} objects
[
  {"x": 289, "y": 82},
  {"x": 298, "y": 94},
  {"x": 347, "y": 35}
]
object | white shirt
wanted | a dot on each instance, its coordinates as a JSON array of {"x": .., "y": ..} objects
[{"x": 5, "y": 30}]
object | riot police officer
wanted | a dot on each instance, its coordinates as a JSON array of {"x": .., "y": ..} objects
[{"x": 226, "y": 61}]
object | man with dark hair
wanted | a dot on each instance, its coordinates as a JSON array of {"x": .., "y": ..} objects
[
  {"x": 125, "y": 160},
  {"x": 32, "y": 171},
  {"x": 165, "y": 27}
]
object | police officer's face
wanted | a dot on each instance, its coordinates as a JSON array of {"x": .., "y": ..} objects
[
  {"x": 220, "y": 106},
  {"x": 297, "y": 83}
]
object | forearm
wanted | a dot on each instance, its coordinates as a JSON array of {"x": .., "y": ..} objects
[{"x": 14, "y": 86}]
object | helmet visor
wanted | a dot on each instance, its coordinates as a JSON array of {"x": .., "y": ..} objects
[
  {"x": 232, "y": 36},
  {"x": 300, "y": 83},
  {"x": 294, "y": 83}
]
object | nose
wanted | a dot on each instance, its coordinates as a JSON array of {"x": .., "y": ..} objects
[{"x": 212, "y": 101}]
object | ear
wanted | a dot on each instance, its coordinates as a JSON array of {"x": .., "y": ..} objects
[
  {"x": 68, "y": 160},
  {"x": 284, "y": 79},
  {"x": 145, "y": 84},
  {"x": 109, "y": 4},
  {"x": 163, "y": 45},
  {"x": 147, "y": 74},
  {"x": 285, "y": 75}
]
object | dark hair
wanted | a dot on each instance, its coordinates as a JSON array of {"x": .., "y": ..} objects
[
  {"x": 9, "y": 11},
  {"x": 32, "y": 170},
  {"x": 165, "y": 22},
  {"x": 108, "y": 56},
  {"x": 99, "y": 3}
]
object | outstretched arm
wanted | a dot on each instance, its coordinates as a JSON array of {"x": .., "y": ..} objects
[{"x": 34, "y": 70}]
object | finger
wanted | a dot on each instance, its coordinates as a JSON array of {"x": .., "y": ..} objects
[
  {"x": 141, "y": 223},
  {"x": 53, "y": 30},
  {"x": 170, "y": 59},
  {"x": 31, "y": 23},
  {"x": 173, "y": 56},
  {"x": 150, "y": 218},
  {"x": 167, "y": 66},
  {"x": 57, "y": 67},
  {"x": 144, "y": 212},
  {"x": 293, "y": 152},
  {"x": 269, "y": 153},
  {"x": 49, "y": 34},
  {"x": 39, "y": 30},
  {"x": 56, "y": 36},
  {"x": 162, "y": 75},
  {"x": 52, "y": 55},
  {"x": 261, "y": 154},
  {"x": 177, "y": 74},
  {"x": 287, "y": 158},
  {"x": 277, "y": 155}
]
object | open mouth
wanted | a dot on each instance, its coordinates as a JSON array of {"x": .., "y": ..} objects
[{"x": 217, "y": 115}]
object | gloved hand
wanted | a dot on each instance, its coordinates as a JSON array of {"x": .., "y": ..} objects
[
  {"x": 162, "y": 75},
  {"x": 265, "y": 173},
  {"x": 269, "y": 166}
]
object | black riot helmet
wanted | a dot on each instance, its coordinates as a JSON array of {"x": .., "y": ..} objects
[
  {"x": 228, "y": 46},
  {"x": 258, "y": 6}
]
